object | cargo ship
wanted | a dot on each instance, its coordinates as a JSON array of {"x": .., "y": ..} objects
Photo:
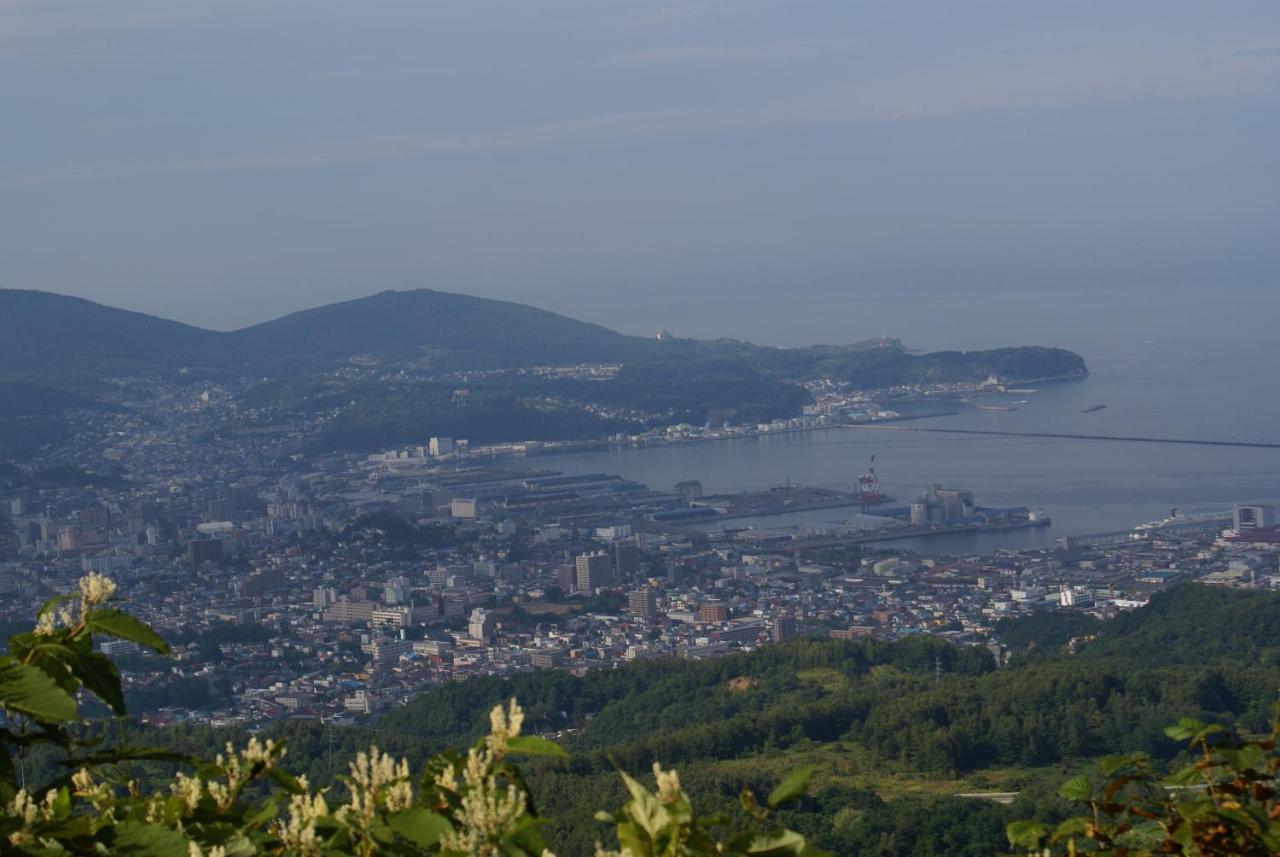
[{"x": 1092, "y": 408}]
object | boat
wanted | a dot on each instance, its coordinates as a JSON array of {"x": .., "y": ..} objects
[
  {"x": 1092, "y": 408},
  {"x": 995, "y": 408}
]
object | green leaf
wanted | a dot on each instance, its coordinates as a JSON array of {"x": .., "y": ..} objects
[
  {"x": 1188, "y": 776},
  {"x": 286, "y": 781},
  {"x": 1025, "y": 834},
  {"x": 526, "y": 839},
  {"x": 126, "y": 754},
  {"x": 119, "y": 624},
  {"x": 1110, "y": 764},
  {"x": 532, "y": 745},
  {"x": 793, "y": 786},
  {"x": 1076, "y": 788},
  {"x": 644, "y": 808},
  {"x": 30, "y": 691},
  {"x": 1071, "y": 827},
  {"x": 1184, "y": 730},
  {"x": 101, "y": 678},
  {"x": 148, "y": 840},
  {"x": 420, "y": 826},
  {"x": 777, "y": 844}
]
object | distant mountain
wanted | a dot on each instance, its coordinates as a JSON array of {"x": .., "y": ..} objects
[
  {"x": 448, "y": 327},
  {"x": 48, "y": 333},
  {"x": 48, "y": 336},
  {"x": 42, "y": 332}
]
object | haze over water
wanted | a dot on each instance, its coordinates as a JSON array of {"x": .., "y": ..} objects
[{"x": 1180, "y": 363}]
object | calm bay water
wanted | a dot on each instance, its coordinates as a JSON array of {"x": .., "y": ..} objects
[{"x": 1187, "y": 363}]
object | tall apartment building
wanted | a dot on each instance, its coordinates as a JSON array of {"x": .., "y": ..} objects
[
  {"x": 592, "y": 571},
  {"x": 481, "y": 625},
  {"x": 626, "y": 560},
  {"x": 713, "y": 612},
  {"x": 643, "y": 604}
]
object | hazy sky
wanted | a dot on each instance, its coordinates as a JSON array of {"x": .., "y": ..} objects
[{"x": 633, "y": 163}]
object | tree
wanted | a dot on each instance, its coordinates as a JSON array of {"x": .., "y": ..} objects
[{"x": 1223, "y": 803}]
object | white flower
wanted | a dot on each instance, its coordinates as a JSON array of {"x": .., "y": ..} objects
[
  {"x": 23, "y": 806},
  {"x": 83, "y": 786},
  {"x": 503, "y": 726},
  {"x": 487, "y": 814},
  {"x": 268, "y": 753},
  {"x": 46, "y": 625},
  {"x": 83, "y": 783},
  {"x": 189, "y": 789},
  {"x": 54, "y": 619},
  {"x": 298, "y": 834},
  {"x": 668, "y": 784},
  {"x": 96, "y": 588},
  {"x": 376, "y": 778},
  {"x": 488, "y": 810}
]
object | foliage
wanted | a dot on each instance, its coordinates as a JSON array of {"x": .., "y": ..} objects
[
  {"x": 1223, "y": 803},
  {"x": 245, "y": 803}
]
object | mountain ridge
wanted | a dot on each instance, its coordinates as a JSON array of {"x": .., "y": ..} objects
[
  {"x": 41, "y": 331},
  {"x": 48, "y": 333}
]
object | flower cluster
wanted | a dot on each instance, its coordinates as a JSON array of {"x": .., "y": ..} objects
[
  {"x": 668, "y": 784},
  {"x": 95, "y": 589},
  {"x": 488, "y": 809},
  {"x": 54, "y": 619},
  {"x": 298, "y": 832},
  {"x": 98, "y": 795},
  {"x": 28, "y": 810},
  {"x": 377, "y": 780},
  {"x": 238, "y": 768}
]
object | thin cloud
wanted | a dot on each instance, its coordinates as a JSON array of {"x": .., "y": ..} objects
[
  {"x": 675, "y": 54},
  {"x": 1042, "y": 80},
  {"x": 1258, "y": 53},
  {"x": 374, "y": 148},
  {"x": 380, "y": 73}
]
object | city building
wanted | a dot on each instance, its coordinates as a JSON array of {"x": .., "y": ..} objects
[
  {"x": 592, "y": 571},
  {"x": 643, "y": 604},
  {"x": 481, "y": 625},
  {"x": 1260, "y": 516},
  {"x": 713, "y": 613},
  {"x": 626, "y": 560}
]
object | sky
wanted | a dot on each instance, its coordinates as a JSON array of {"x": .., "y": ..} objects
[{"x": 711, "y": 167}]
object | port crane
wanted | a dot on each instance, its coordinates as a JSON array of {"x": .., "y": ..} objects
[{"x": 869, "y": 486}]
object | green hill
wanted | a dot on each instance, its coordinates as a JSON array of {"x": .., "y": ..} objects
[
  {"x": 458, "y": 329},
  {"x": 47, "y": 333},
  {"x": 43, "y": 333},
  {"x": 53, "y": 336}
]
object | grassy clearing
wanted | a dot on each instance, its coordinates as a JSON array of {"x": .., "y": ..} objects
[
  {"x": 825, "y": 677},
  {"x": 848, "y": 764}
]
